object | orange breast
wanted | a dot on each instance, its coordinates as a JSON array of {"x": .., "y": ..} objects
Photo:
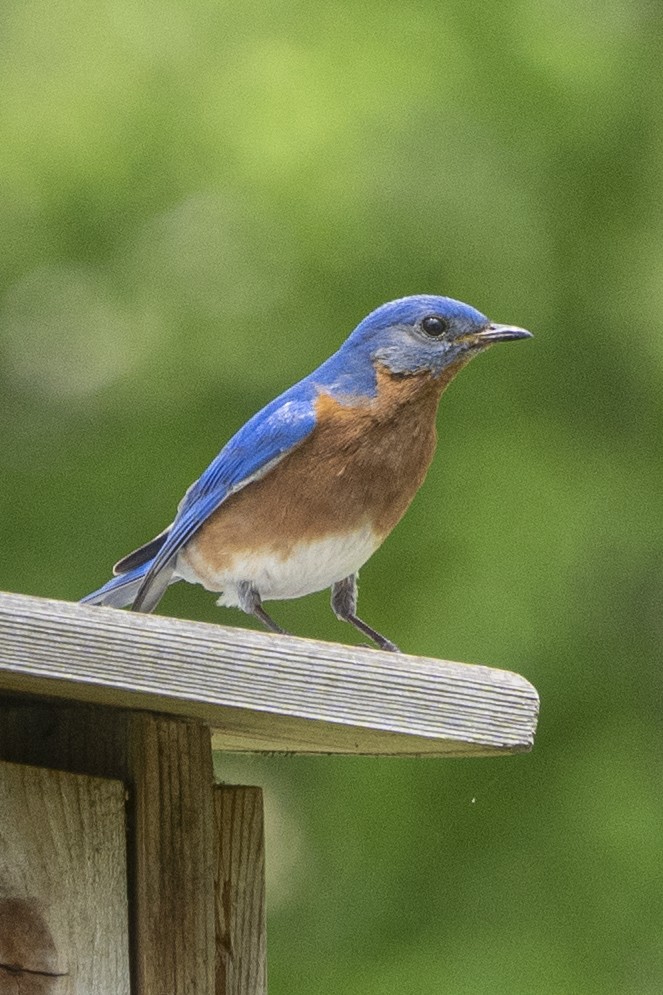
[{"x": 361, "y": 465}]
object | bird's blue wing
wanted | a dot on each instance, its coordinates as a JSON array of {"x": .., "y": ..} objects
[{"x": 253, "y": 451}]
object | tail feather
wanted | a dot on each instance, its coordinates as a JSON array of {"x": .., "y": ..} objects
[
  {"x": 122, "y": 590},
  {"x": 141, "y": 555}
]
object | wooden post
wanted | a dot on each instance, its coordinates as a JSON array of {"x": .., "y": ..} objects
[
  {"x": 241, "y": 964},
  {"x": 170, "y": 777},
  {"x": 63, "y": 893},
  {"x": 166, "y": 765}
]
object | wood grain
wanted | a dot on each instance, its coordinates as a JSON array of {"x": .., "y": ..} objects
[
  {"x": 166, "y": 767},
  {"x": 241, "y": 967},
  {"x": 173, "y": 858},
  {"x": 261, "y": 691},
  {"x": 63, "y": 890}
]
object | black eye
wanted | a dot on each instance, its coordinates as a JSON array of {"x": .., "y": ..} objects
[{"x": 434, "y": 325}]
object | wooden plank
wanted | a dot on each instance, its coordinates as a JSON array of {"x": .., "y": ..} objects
[
  {"x": 173, "y": 887},
  {"x": 263, "y": 691},
  {"x": 241, "y": 950},
  {"x": 63, "y": 892},
  {"x": 166, "y": 766}
]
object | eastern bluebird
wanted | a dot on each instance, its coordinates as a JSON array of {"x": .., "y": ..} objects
[{"x": 307, "y": 490}]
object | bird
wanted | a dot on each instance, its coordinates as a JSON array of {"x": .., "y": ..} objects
[{"x": 308, "y": 489}]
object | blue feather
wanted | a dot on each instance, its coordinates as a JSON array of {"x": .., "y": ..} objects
[{"x": 265, "y": 439}]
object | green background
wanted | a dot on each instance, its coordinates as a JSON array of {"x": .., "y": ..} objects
[{"x": 198, "y": 201}]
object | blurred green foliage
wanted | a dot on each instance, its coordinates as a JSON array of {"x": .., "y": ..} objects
[{"x": 197, "y": 202}]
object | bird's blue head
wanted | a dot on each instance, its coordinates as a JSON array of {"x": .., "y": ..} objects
[{"x": 426, "y": 334}]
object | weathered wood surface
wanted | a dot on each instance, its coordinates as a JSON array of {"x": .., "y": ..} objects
[
  {"x": 63, "y": 890},
  {"x": 262, "y": 691},
  {"x": 241, "y": 953},
  {"x": 173, "y": 861},
  {"x": 166, "y": 767}
]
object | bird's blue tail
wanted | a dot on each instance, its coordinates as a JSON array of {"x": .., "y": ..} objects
[{"x": 119, "y": 591}]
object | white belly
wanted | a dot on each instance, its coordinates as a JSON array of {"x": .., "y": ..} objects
[{"x": 310, "y": 566}]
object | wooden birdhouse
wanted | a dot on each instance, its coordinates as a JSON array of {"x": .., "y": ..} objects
[{"x": 123, "y": 867}]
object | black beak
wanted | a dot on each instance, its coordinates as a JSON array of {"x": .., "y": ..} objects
[{"x": 502, "y": 333}]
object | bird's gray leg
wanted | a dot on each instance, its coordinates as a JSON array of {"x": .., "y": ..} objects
[
  {"x": 249, "y": 602},
  {"x": 344, "y": 606}
]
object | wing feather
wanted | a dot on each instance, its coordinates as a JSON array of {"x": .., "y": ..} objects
[{"x": 249, "y": 455}]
